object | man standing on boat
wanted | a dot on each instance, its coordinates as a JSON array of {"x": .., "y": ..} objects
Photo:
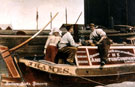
[
  {"x": 99, "y": 38},
  {"x": 68, "y": 46}
]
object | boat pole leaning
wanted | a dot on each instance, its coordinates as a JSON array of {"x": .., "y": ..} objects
[{"x": 26, "y": 41}]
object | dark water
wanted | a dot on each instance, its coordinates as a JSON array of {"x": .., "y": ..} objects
[
  {"x": 123, "y": 84},
  {"x": 3, "y": 70}
]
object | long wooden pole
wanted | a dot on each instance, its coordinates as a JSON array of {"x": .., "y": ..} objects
[
  {"x": 66, "y": 15},
  {"x": 23, "y": 43},
  {"x": 78, "y": 18},
  {"x": 37, "y": 19},
  {"x": 76, "y": 37},
  {"x": 50, "y": 19}
]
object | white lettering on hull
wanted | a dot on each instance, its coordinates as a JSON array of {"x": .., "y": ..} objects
[{"x": 125, "y": 59}]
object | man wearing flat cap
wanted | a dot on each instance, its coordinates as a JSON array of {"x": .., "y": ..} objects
[{"x": 99, "y": 38}]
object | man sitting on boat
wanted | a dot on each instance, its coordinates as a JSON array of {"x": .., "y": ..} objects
[
  {"x": 99, "y": 38},
  {"x": 50, "y": 48},
  {"x": 68, "y": 47}
]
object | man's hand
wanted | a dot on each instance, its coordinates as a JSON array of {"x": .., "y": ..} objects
[
  {"x": 98, "y": 43},
  {"x": 44, "y": 51},
  {"x": 79, "y": 44},
  {"x": 90, "y": 43}
]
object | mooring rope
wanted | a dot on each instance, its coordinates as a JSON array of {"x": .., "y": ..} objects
[{"x": 90, "y": 80}]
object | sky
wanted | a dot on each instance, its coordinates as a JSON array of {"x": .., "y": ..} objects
[{"x": 21, "y": 14}]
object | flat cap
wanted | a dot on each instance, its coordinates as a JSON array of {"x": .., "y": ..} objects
[{"x": 92, "y": 24}]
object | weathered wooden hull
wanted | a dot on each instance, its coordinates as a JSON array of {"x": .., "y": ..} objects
[
  {"x": 31, "y": 74},
  {"x": 120, "y": 67}
]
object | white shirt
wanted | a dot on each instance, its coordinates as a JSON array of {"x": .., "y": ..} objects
[
  {"x": 96, "y": 33},
  {"x": 67, "y": 38},
  {"x": 52, "y": 40}
]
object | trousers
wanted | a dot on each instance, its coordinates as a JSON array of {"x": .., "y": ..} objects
[
  {"x": 103, "y": 49},
  {"x": 66, "y": 54}
]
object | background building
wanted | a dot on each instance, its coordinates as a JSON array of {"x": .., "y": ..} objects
[{"x": 108, "y": 12}]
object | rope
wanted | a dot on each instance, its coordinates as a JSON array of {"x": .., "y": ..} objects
[{"x": 90, "y": 80}]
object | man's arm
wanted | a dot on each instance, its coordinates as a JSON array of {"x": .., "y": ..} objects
[
  {"x": 72, "y": 42},
  {"x": 103, "y": 37}
]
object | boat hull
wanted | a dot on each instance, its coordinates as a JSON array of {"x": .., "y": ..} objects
[
  {"x": 120, "y": 67},
  {"x": 31, "y": 75}
]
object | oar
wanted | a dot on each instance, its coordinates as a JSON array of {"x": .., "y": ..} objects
[{"x": 26, "y": 41}]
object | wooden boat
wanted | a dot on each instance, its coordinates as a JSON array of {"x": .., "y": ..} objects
[
  {"x": 121, "y": 63},
  {"x": 120, "y": 67}
]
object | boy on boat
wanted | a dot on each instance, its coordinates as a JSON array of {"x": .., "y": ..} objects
[
  {"x": 99, "y": 38},
  {"x": 68, "y": 47},
  {"x": 50, "y": 48}
]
